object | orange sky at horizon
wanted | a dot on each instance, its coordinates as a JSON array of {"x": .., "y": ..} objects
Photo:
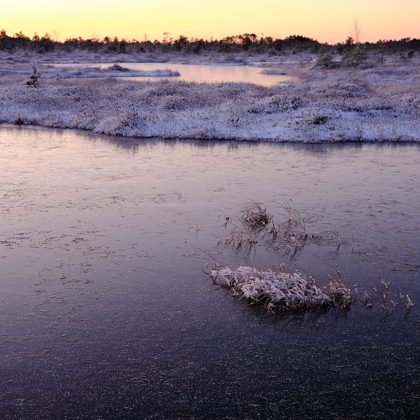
[{"x": 324, "y": 20}]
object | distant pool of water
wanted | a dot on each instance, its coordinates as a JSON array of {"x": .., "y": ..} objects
[
  {"x": 201, "y": 73},
  {"x": 105, "y": 311}
]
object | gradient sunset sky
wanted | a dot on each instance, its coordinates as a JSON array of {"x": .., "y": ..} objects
[{"x": 325, "y": 20}]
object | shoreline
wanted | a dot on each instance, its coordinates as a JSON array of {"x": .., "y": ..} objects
[{"x": 125, "y": 139}]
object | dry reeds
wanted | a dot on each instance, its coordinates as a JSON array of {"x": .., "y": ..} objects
[
  {"x": 240, "y": 239},
  {"x": 340, "y": 294},
  {"x": 288, "y": 237},
  {"x": 383, "y": 298}
]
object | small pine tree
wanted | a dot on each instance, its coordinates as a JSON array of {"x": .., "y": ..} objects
[{"x": 33, "y": 78}]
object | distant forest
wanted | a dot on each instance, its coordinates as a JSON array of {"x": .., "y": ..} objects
[{"x": 247, "y": 42}]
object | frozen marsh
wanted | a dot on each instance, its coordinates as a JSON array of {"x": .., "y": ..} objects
[{"x": 374, "y": 102}]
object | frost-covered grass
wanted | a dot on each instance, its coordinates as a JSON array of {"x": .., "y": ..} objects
[
  {"x": 281, "y": 291},
  {"x": 74, "y": 72},
  {"x": 377, "y": 102},
  {"x": 112, "y": 71}
]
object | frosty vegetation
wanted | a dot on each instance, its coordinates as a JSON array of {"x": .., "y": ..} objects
[
  {"x": 281, "y": 291},
  {"x": 114, "y": 70},
  {"x": 286, "y": 291},
  {"x": 278, "y": 291},
  {"x": 332, "y": 98}
]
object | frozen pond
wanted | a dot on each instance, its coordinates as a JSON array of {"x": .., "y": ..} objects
[
  {"x": 201, "y": 73},
  {"x": 105, "y": 311}
]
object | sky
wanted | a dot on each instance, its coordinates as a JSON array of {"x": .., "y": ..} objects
[{"x": 324, "y": 20}]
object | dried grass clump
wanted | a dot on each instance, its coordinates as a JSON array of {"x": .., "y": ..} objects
[
  {"x": 240, "y": 239},
  {"x": 255, "y": 217},
  {"x": 340, "y": 294},
  {"x": 287, "y": 238},
  {"x": 290, "y": 237},
  {"x": 280, "y": 291}
]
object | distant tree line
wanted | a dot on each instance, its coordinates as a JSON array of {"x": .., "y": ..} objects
[{"x": 232, "y": 44}]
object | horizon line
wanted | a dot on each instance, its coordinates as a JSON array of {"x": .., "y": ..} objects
[{"x": 166, "y": 40}]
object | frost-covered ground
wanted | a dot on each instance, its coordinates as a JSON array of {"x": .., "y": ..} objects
[
  {"x": 51, "y": 72},
  {"x": 377, "y": 102}
]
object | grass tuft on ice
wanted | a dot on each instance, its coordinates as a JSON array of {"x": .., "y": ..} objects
[
  {"x": 281, "y": 291},
  {"x": 289, "y": 237},
  {"x": 255, "y": 217}
]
